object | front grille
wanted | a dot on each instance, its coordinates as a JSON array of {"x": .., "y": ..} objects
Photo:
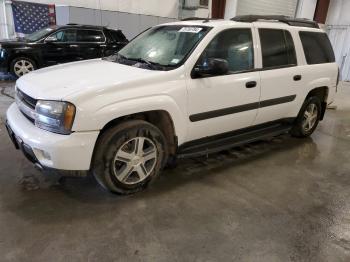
[
  {"x": 26, "y": 105},
  {"x": 29, "y": 101}
]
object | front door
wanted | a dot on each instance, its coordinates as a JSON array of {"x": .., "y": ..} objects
[
  {"x": 219, "y": 104},
  {"x": 60, "y": 47}
]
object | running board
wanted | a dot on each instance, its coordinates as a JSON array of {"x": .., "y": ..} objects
[{"x": 226, "y": 141}]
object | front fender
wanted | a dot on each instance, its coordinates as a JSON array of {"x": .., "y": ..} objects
[{"x": 97, "y": 120}]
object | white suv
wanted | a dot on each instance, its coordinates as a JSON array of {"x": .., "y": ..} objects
[{"x": 180, "y": 89}]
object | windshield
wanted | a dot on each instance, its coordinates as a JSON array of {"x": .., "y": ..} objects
[
  {"x": 38, "y": 34},
  {"x": 163, "y": 46}
]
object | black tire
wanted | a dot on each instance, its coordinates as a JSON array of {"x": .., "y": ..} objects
[
  {"x": 18, "y": 59},
  {"x": 298, "y": 129},
  {"x": 115, "y": 139}
]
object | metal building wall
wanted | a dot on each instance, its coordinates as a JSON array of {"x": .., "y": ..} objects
[
  {"x": 338, "y": 27},
  {"x": 264, "y": 7},
  {"x": 130, "y": 24}
]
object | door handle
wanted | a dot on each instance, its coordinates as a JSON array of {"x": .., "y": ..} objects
[
  {"x": 297, "y": 77},
  {"x": 250, "y": 84}
]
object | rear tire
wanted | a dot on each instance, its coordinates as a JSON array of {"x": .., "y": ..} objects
[
  {"x": 129, "y": 156},
  {"x": 308, "y": 118},
  {"x": 21, "y": 66}
]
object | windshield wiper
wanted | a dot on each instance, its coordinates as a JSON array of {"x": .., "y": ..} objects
[{"x": 151, "y": 64}]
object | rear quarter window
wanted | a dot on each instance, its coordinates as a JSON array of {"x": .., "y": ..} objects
[{"x": 317, "y": 47}]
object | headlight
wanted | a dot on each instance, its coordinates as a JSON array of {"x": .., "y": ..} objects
[
  {"x": 2, "y": 52},
  {"x": 55, "y": 116}
]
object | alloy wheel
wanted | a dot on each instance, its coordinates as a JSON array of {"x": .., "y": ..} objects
[
  {"x": 135, "y": 160},
  {"x": 23, "y": 67},
  {"x": 310, "y": 117}
]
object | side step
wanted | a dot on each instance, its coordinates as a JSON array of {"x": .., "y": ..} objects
[{"x": 226, "y": 141}]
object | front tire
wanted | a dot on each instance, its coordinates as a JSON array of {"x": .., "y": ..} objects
[
  {"x": 21, "y": 66},
  {"x": 129, "y": 156},
  {"x": 308, "y": 118}
]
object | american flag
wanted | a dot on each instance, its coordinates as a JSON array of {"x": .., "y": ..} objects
[{"x": 31, "y": 17}]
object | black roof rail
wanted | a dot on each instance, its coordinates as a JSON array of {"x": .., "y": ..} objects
[
  {"x": 194, "y": 18},
  {"x": 281, "y": 18},
  {"x": 205, "y": 20}
]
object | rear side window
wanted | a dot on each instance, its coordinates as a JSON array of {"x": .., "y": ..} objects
[
  {"x": 90, "y": 36},
  {"x": 317, "y": 48},
  {"x": 117, "y": 36},
  {"x": 277, "y": 48}
]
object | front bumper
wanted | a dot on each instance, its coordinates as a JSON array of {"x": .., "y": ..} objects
[
  {"x": 3, "y": 63},
  {"x": 50, "y": 150}
]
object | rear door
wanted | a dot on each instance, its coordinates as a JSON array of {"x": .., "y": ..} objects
[
  {"x": 281, "y": 78},
  {"x": 91, "y": 43}
]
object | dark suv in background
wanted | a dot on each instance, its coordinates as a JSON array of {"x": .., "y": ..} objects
[{"x": 59, "y": 44}]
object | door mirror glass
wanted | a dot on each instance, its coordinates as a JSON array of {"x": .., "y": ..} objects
[{"x": 213, "y": 67}]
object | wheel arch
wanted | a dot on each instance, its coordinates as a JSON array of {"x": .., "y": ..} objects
[
  {"x": 322, "y": 92},
  {"x": 160, "y": 118},
  {"x": 21, "y": 54}
]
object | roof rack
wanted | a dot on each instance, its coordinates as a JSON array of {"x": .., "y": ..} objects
[
  {"x": 281, "y": 18},
  {"x": 205, "y": 20},
  {"x": 194, "y": 18}
]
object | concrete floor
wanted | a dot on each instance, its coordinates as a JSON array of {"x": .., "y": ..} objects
[{"x": 280, "y": 200}]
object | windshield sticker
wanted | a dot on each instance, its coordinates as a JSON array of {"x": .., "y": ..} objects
[
  {"x": 175, "y": 61},
  {"x": 188, "y": 29}
]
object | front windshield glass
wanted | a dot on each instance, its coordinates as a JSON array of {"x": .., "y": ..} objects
[
  {"x": 39, "y": 34},
  {"x": 165, "y": 46}
]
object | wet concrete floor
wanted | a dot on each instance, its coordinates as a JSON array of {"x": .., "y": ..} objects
[{"x": 282, "y": 199}]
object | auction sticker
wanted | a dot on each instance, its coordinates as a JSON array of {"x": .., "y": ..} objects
[{"x": 189, "y": 29}]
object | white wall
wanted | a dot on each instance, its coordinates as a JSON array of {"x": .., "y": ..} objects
[
  {"x": 338, "y": 12},
  {"x": 230, "y": 9},
  {"x": 338, "y": 26},
  {"x": 306, "y": 9},
  {"x": 3, "y": 23}
]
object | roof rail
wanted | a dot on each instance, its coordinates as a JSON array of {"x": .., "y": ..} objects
[
  {"x": 281, "y": 18},
  {"x": 194, "y": 18},
  {"x": 205, "y": 20}
]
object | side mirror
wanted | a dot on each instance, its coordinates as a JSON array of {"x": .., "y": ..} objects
[
  {"x": 214, "y": 67},
  {"x": 50, "y": 39}
]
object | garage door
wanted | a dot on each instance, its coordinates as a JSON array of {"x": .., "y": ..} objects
[{"x": 266, "y": 7}]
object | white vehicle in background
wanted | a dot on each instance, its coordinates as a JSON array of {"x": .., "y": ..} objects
[{"x": 180, "y": 89}]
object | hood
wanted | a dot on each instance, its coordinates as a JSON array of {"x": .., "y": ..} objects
[
  {"x": 13, "y": 42},
  {"x": 59, "y": 82}
]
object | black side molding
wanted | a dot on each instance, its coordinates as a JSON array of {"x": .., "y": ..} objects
[{"x": 241, "y": 108}]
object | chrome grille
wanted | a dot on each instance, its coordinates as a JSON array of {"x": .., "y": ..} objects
[
  {"x": 29, "y": 101},
  {"x": 26, "y": 105}
]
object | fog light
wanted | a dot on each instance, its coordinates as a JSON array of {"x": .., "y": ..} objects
[{"x": 42, "y": 155}]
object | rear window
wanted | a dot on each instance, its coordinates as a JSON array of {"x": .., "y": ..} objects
[
  {"x": 277, "y": 48},
  {"x": 117, "y": 35},
  {"x": 317, "y": 48}
]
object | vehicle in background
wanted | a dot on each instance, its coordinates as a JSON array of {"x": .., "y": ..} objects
[{"x": 57, "y": 45}]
